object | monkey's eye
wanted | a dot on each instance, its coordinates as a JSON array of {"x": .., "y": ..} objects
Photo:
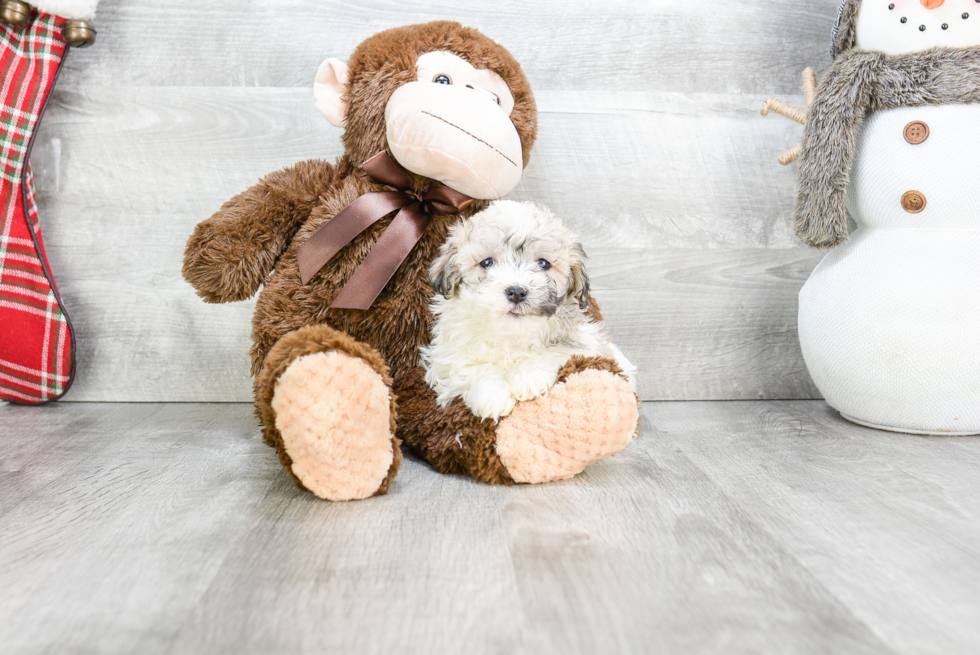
[
  {"x": 442, "y": 79},
  {"x": 487, "y": 263},
  {"x": 544, "y": 264}
]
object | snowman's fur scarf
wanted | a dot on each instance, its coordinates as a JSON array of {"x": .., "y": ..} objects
[
  {"x": 845, "y": 32},
  {"x": 861, "y": 82},
  {"x": 492, "y": 352}
]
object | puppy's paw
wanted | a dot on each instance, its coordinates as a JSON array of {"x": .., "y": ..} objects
[
  {"x": 490, "y": 398},
  {"x": 532, "y": 382}
]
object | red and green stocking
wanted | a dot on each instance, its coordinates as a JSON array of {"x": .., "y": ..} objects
[{"x": 37, "y": 350}]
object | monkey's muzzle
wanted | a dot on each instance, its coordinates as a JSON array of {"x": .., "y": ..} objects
[{"x": 457, "y": 136}]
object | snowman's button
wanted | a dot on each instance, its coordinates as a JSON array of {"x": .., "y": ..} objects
[
  {"x": 913, "y": 202},
  {"x": 916, "y": 132}
]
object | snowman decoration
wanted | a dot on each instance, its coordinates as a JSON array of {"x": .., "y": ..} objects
[{"x": 890, "y": 319}]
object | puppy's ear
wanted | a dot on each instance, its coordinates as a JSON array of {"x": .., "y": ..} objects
[
  {"x": 578, "y": 285},
  {"x": 444, "y": 274}
]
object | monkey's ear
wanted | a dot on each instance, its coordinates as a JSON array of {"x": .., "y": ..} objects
[
  {"x": 328, "y": 91},
  {"x": 579, "y": 285},
  {"x": 444, "y": 274}
]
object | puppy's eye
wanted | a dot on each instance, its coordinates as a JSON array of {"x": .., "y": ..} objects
[
  {"x": 442, "y": 79},
  {"x": 544, "y": 264},
  {"x": 487, "y": 263}
]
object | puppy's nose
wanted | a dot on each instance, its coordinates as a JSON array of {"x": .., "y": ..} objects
[{"x": 516, "y": 294}]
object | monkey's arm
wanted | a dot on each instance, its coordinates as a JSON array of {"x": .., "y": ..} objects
[
  {"x": 232, "y": 253},
  {"x": 829, "y": 139}
]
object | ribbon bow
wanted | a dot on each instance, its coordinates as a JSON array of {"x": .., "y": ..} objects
[{"x": 394, "y": 245}]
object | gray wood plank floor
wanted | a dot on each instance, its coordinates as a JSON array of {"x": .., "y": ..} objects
[{"x": 741, "y": 527}]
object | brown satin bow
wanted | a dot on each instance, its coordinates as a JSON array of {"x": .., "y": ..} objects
[{"x": 394, "y": 245}]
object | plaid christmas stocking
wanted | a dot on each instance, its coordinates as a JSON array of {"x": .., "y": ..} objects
[{"x": 37, "y": 349}]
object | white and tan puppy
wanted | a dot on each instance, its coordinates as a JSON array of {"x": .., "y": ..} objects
[{"x": 510, "y": 311}]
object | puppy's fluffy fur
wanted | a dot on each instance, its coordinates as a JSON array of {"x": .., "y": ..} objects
[{"x": 510, "y": 311}]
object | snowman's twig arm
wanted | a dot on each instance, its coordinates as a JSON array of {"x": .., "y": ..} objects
[
  {"x": 791, "y": 112},
  {"x": 809, "y": 85},
  {"x": 790, "y": 155},
  {"x": 829, "y": 139},
  {"x": 784, "y": 109}
]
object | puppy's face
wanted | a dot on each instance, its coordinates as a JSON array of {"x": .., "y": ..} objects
[{"x": 512, "y": 259}]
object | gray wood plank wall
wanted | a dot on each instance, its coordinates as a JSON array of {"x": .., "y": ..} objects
[{"x": 651, "y": 146}]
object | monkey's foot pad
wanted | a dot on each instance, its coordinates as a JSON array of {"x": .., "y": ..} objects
[
  {"x": 583, "y": 420},
  {"x": 334, "y": 413}
]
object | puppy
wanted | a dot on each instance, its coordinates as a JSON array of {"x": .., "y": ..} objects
[{"x": 510, "y": 311}]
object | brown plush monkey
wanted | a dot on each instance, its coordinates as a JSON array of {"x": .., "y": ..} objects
[{"x": 339, "y": 389}]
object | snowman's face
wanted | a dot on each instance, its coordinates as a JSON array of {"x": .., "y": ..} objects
[{"x": 897, "y": 27}]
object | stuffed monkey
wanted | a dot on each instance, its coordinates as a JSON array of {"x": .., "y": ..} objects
[{"x": 438, "y": 121}]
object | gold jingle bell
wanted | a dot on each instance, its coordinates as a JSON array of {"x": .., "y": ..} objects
[
  {"x": 15, "y": 12},
  {"x": 79, "y": 33}
]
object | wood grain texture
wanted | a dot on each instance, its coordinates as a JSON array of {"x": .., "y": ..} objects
[
  {"x": 869, "y": 509},
  {"x": 709, "y": 45},
  {"x": 753, "y": 527},
  {"x": 651, "y": 146}
]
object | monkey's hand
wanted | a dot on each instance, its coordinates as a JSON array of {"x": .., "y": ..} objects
[{"x": 231, "y": 254}]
